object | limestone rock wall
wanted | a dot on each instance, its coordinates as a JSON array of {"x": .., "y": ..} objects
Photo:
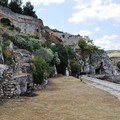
[
  {"x": 16, "y": 78},
  {"x": 27, "y": 24},
  {"x": 100, "y": 63},
  {"x": 67, "y": 39}
]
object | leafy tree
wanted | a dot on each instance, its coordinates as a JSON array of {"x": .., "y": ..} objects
[
  {"x": 4, "y": 3},
  {"x": 63, "y": 56},
  {"x": 15, "y": 6},
  {"x": 28, "y": 10},
  {"x": 56, "y": 59},
  {"x": 71, "y": 52}
]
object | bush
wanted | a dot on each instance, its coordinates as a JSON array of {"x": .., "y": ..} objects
[
  {"x": 41, "y": 70},
  {"x": 17, "y": 29},
  {"x": 45, "y": 53},
  {"x": 75, "y": 67},
  {"x": 26, "y": 42},
  {"x": 7, "y": 52},
  {"x": 56, "y": 59}
]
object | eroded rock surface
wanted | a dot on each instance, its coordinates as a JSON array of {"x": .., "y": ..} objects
[{"x": 16, "y": 79}]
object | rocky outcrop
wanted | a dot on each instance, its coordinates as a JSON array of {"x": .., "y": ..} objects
[
  {"x": 67, "y": 39},
  {"x": 16, "y": 78},
  {"x": 98, "y": 63},
  {"x": 27, "y": 24}
]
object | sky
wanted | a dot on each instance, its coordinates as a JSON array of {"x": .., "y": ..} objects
[{"x": 98, "y": 19}]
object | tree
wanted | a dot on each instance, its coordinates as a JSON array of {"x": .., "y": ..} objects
[
  {"x": 63, "y": 56},
  {"x": 15, "y": 6},
  {"x": 4, "y": 3},
  {"x": 28, "y": 10}
]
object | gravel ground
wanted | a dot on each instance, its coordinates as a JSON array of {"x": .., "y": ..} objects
[{"x": 107, "y": 86}]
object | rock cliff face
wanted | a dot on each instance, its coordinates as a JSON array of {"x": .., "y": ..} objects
[
  {"x": 16, "y": 78},
  {"x": 67, "y": 39},
  {"x": 27, "y": 24},
  {"x": 102, "y": 64},
  {"x": 98, "y": 64}
]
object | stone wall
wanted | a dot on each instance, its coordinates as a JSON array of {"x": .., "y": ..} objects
[{"x": 27, "y": 24}]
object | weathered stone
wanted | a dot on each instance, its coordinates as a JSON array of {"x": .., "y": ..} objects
[
  {"x": 22, "y": 56},
  {"x": 1, "y": 32},
  {"x": 2, "y": 69},
  {"x": 27, "y": 24},
  {"x": 27, "y": 68},
  {"x": 23, "y": 81},
  {"x": 101, "y": 63},
  {"x": 13, "y": 80}
]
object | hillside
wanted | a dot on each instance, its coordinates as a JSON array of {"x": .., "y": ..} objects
[{"x": 30, "y": 53}]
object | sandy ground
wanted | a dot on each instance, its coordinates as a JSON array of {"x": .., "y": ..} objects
[{"x": 65, "y": 98}]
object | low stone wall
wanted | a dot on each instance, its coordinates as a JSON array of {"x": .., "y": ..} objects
[
  {"x": 11, "y": 87},
  {"x": 8, "y": 89}
]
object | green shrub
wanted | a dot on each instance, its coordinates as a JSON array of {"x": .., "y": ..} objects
[
  {"x": 7, "y": 52},
  {"x": 56, "y": 59},
  {"x": 45, "y": 53},
  {"x": 17, "y": 29},
  {"x": 26, "y": 42},
  {"x": 41, "y": 70},
  {"x": 75, "y": 67}
]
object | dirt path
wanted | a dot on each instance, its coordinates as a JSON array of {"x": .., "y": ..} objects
[{"x": 65, "y": 98}]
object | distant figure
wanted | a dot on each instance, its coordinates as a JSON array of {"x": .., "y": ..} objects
[
  {"x": 55, "y": 70},
  {"x": 67, "y": 72}
]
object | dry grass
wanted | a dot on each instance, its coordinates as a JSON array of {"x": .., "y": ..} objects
[
  {"x": 114, "y": 54},
  {"x": 64, "y": 98}
]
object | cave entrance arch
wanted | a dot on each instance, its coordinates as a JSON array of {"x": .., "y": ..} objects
[
  {"x": 5, "y": 21},
  {"x": 100, "y": 69}
]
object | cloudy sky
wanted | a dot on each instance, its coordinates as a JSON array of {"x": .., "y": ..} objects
[{"x": 98, "y": 19}]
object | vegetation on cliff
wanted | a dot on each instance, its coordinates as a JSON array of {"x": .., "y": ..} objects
[
  {"x": 16, "y": 6},
  {"x": 46, "y": 53}
]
